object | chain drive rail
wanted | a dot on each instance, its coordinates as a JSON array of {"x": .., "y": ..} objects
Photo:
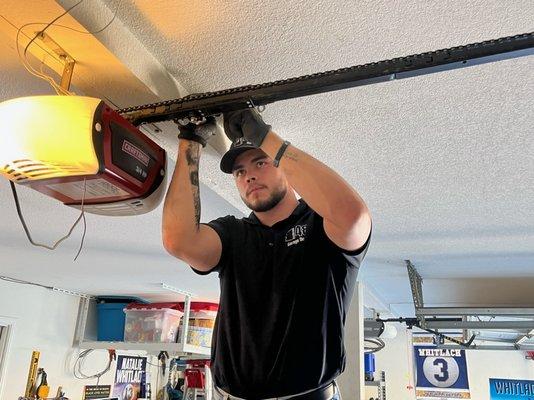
[
  {"x": 200, "y": 105},
  {"x": 411, "y": 322}
]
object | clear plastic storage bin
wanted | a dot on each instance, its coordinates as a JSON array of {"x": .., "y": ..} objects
[
  {"x": 201, "y": 323},
  {"x": 149, "y": 323}
]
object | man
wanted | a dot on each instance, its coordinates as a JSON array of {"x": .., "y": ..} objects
[{"x": 287, "y": 272}]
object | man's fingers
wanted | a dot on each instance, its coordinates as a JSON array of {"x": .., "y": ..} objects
[
  {"x": 206, "y": 130},
  {"x": 210, "y": 120}
]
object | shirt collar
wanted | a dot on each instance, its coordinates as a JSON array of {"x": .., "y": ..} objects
[{"x": 297, "y": 212}]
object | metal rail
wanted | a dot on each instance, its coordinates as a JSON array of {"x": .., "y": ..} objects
[
  {"x": 486, "y": 347},
  {"x": 525, "y": 338},
  {"x": 213, "y": 103},
  {"x": 526, "y": 325},
  {"x": 479, "y": 311}
]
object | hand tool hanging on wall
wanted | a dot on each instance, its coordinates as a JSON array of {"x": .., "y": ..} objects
[
  {"x": 162, "y": 358},
  {"x": 43, "y": 389},
  {"x": 197, "y": 107},
  {"x": 32, "y": 373}
]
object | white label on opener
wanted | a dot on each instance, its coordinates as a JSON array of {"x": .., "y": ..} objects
[{"x": 94, "y": 189}]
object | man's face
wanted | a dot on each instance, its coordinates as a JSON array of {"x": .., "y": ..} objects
[{"x": 261, "y": 185}]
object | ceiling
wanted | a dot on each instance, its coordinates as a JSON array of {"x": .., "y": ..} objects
[{"x": 444, "y": 161}]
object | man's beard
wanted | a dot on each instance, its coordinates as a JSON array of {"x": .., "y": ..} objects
[{"x": 272, "y": 201}]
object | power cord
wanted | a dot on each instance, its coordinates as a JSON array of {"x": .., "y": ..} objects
[
  {"x": 78, "y": 364},
  {"x": 377, "y": 342},
  {"x": 54, "y": 246},
  {"x": 23, "y": 57}
]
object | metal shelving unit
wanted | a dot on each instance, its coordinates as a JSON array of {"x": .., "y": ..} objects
[
  {"x": 376, "y": 390},
  {"x": 86, "y": 332},
  {"x": 151, "y": 348}
]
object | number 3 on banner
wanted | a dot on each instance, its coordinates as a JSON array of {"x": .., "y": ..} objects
[
  {"x": 443, "y": 375},
  {"x": 441, "y": 372}
]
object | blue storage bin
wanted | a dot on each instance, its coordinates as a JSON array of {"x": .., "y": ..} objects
[
  {"x": 369, "y": 363},
  {"x": 111, "y": 317},
  {"x": 111, "y": 320}
]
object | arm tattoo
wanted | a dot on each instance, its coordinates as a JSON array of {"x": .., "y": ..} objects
[
  {"x": 192, "y": 155},
  {"x": 292, "y": 155}
]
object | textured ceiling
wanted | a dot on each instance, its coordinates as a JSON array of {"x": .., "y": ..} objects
[{"x": 444, "y": 161}]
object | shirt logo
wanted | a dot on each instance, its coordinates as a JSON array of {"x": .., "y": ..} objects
[{"x": 296, "y": 235}]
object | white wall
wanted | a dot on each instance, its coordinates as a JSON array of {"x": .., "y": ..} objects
[
  {"x": 397, "y": 360},
  {"x": 45, "y": 321},
  {"x": 350, "y": 382},
  {"x": 496, "y": 364}
]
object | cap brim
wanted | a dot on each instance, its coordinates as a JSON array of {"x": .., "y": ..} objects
[{"x": 228, "y": 159}]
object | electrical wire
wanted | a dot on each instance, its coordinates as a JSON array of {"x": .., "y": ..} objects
[
  {"x": 78, "y": 30},
  {"x": 59, "y": 90},
  {"x": 78, "y": 365},
  {"x": 23, "y": 282},
  {"x": 54, "y": 246},
  {"x": 377, "y": 342},
  {"x": 149, "y": 363},
  {"x": 50, "y": 23},
  {"x": 23, "y": 57},
  {"x": 83, "y": 237}
]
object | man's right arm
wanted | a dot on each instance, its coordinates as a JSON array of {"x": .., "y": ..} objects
[{"x": 183, "y": 236}]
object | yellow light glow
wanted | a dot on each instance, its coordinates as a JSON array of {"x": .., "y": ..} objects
[{"x": 45, "y": 137}]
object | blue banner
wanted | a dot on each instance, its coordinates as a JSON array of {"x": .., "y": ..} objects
[
  {"x": 130, "y": 378},
  {"x": 511, "y": 389},
  {"x": 441, "y": 368}
]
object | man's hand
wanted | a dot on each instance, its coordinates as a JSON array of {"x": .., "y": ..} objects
[
  {"x": 245, "y": 123},
  {"x": 198, "y": 133}
]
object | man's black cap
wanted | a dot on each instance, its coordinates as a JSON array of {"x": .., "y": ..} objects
[{"x": 239, "y": 146}]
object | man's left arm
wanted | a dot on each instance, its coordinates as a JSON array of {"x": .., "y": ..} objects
[{"x": 347, "y": 220}]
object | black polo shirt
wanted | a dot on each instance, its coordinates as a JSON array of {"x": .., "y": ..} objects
[{"x": 285, "y": 292}]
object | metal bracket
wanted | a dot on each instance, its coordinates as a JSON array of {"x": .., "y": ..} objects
[
  {"x": 185, "y": 319},
  {"x": 79, "y": 332},
  {"x": 66, "y": 77},
  {"x": 72, "y": 293},
  {"x": 68, "y": 61},
  {"x": 176, "y": 290},
  {"x": 476, "y": 311},
  {"x": 483, "y": 347},
  {"x": 416, "y": 284},
  {"x": 524, "y": 338}
]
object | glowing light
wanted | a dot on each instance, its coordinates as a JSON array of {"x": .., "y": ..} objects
[{"x": 47, "y": 137}]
